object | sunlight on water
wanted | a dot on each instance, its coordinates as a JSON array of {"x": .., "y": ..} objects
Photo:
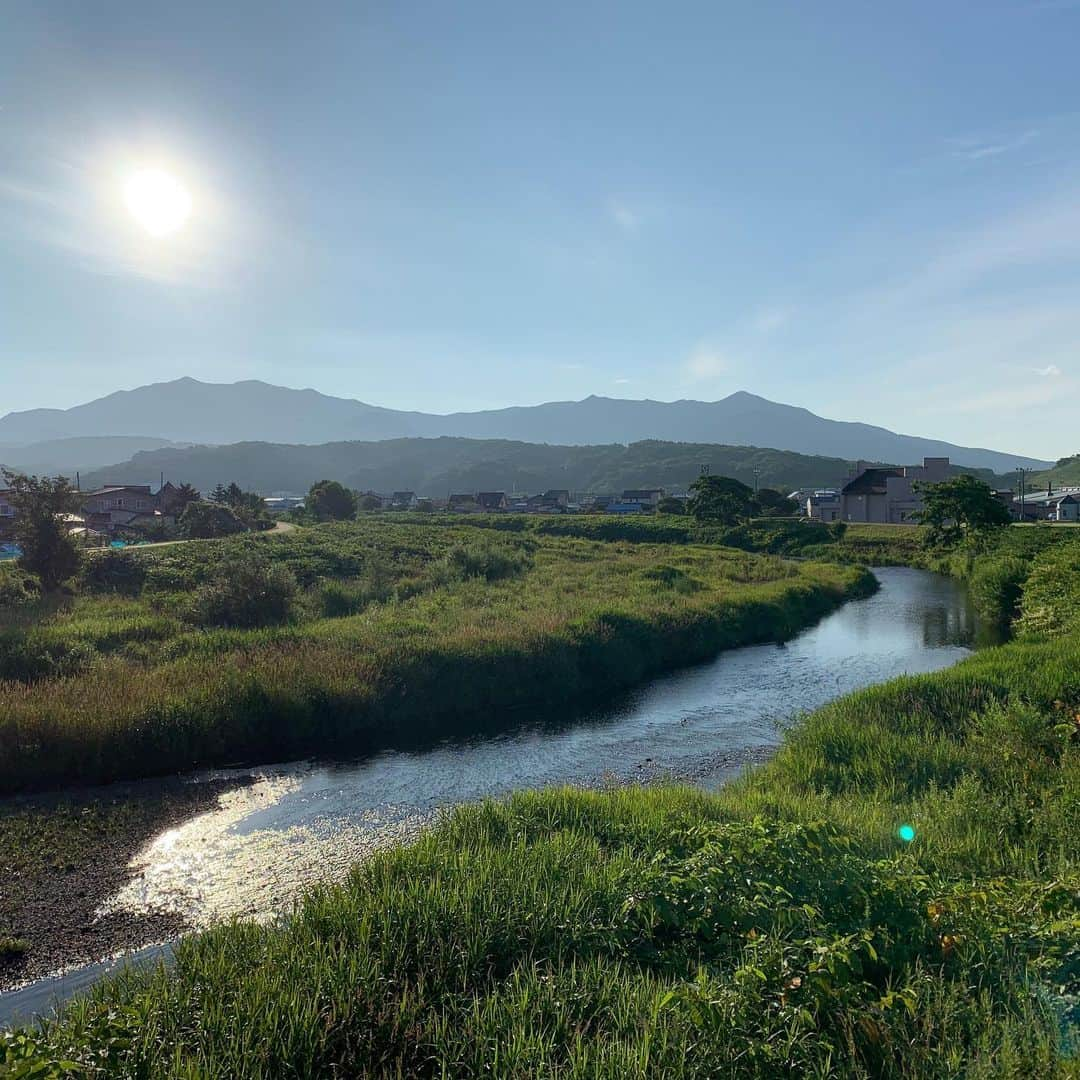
[{"x": 211, "y": 868}]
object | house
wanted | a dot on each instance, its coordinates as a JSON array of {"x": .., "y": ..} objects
[
  {"x": 822, "y": 505},
  {"x": 464, "y": 501},
  {"x": 1049, "y": 505},
  {"x": 648, "y": 497},
  {"x": 886, "y": 495},
  {"x": 280, "y": 504},
  {"x": 553, "y": 501},
  {"x": 403, "y": 500},
  {"x": 121, "y": 506},
  {"x": 491, "y": 500}
]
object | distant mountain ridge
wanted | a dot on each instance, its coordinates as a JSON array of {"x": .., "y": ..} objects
[
  {"x": 437, "y": 467},
  {"x": 188, "y": 411}
]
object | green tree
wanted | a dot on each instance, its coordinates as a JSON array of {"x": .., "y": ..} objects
[
  {"x": 183, "y": 495},
  {"x": 219, "y": 495},
  {"x": 40, "y": 503},
  {"x": 330, "y": 501},
  {"x": 370, "y": 502},
  {"x": 204, "y": 520},
  {"x": 720, "y": 500},
  {"x": 773, "y": 503},
  {"x": 958, "y": 507},
  {"x": 671, "y": 506}
]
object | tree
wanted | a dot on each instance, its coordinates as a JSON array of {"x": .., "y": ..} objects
[
  {"x": 219, "y": 495},
  {"x": 370, "y": 502},
  {"x": 204, "y": 520},
  {"x": 773, "y": 503},
  {"x": 330, "y": 501},
  {"x": 47, "y": 548},
  {"x": 720, "y": 500},
  {"x": 183, "y": 495},
  {"x": 671, "y": 506},
  {"x": 959, "y": 506}
]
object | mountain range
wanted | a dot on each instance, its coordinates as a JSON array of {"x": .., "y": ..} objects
[{"x": 189, "y": 411}]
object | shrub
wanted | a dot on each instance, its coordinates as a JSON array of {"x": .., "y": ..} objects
[
  {"x": 115, "y": 570},
  {"x": 486, "y": 561},
  {"x": 204, "y": 520},
  {"x": 17, "y": 588},
  {"x": 246, "y": 590}
]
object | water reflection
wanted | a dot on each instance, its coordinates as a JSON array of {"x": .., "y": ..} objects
[{"x": 305, "y": 822}]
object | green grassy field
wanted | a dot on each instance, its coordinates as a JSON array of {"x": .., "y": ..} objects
[
  {"x": 395, "y": 633},
  {"x": 783, "y": 927}
]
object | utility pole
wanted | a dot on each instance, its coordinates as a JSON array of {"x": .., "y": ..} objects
[{"x": 1021, "y": 470}]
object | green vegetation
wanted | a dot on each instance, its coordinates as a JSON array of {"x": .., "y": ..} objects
[
  {"x": 330, "y": 501},
  {"x": 720, "y": 500},
  {"x": 363, "y": 635},
  {"x": 959, "y": 507},
  {"x": 784, "y": 926},
  {"x": 48, "y": 552}
]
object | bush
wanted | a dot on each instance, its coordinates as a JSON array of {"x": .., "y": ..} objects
[
  {"x": 205, "y": 520},
  {"x": 115, "y": 570},
  {"x": 246, "y": 590},
  {"x": 486, "y": 561},
  {"x": 17, "y": 588}
]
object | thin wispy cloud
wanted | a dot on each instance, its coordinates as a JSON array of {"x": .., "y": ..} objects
[
  {"x": 977, "y": 147},
  {"x": 623, "y": 216},
  {"x": 707, "y": 362},
  {"x": 1051, "y": 371}
]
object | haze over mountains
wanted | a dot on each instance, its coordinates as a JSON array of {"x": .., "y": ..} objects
[{"x": 189, "y": 411}]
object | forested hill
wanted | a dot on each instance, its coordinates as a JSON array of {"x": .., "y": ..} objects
[{"x": 435, "y": 467}]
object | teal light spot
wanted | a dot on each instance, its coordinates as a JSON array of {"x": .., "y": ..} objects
[{"x": 906, "y": 833}]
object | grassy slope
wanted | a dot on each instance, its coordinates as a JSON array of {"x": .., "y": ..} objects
[{"x": 148, "y": 694}]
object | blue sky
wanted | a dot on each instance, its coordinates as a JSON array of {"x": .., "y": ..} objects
[{"x": 870, "y": 210}]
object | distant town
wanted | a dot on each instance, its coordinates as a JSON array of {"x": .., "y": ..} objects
[{"x": 872, "y": 494}]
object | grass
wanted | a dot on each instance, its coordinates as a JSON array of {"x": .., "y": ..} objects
[
  {"x": 778, "y": 928},
  {"x": 418, "y": 634}
]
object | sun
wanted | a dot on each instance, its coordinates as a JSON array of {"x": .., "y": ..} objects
[{"x": 157, "y": 201}]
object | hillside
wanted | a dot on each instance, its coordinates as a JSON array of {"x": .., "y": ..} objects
[
  {"x": 67, "y": 455},
  {"x": 436, "y": 467},
  {"x": 1065, "y": 473},
  {"x": 186, "y": 410}
]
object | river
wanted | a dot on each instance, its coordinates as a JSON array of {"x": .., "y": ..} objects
[{"x": 304, "y": 822}]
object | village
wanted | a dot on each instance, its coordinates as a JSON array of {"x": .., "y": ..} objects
[{"x": 872, "y": 494}]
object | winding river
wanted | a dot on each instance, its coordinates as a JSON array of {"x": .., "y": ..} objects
[{"x": 304, "y": 822}]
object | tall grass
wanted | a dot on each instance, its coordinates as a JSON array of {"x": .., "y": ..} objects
[
  {"x": 778, "y": 928},
  {"x": 494, "y": 627}
]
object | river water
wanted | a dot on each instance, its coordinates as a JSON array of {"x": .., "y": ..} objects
[{"x": 304, "y": 822}]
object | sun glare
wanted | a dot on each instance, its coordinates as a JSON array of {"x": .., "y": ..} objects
[{"x": 157, "y": 201}]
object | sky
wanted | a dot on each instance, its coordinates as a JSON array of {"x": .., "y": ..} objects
[{"x": 869, "y": 210}]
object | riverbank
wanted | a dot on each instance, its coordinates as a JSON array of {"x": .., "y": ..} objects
[
  {"x": 440, "y": 636},
  {"x": 64, "y": 856},
  {"x": 304, "y": 823},
  {"x": 894, "y": 894},
  {"x": 897, "y": 893}
]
